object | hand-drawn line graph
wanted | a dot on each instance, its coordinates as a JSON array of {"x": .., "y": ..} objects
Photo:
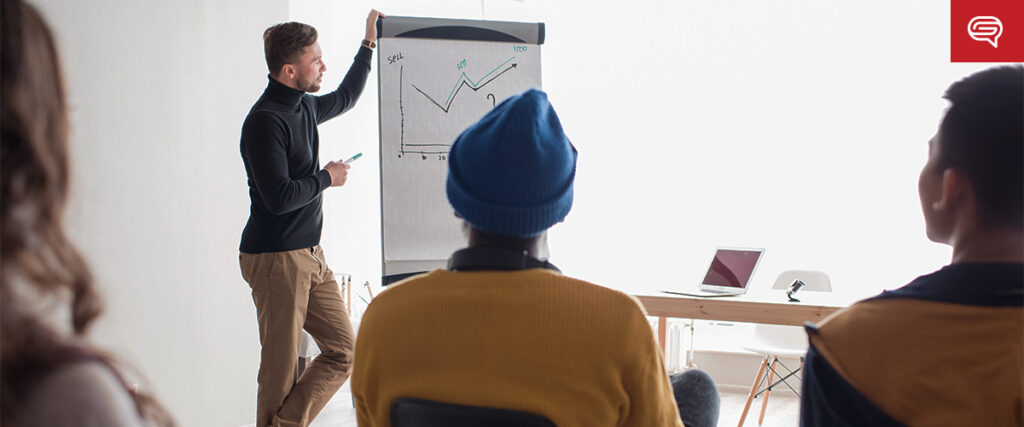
[
  {"x": 441, "y": 150},
  {"x": 421, "y": 149},
  {"x": 465, "y": 81}
]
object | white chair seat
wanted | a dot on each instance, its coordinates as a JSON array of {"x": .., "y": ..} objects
[
  {"x": 775, "y": 341},
  {"x": 782, "y": 341}
]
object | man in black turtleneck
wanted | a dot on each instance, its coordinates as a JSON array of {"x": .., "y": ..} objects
[{"x": 280, "y": 254}]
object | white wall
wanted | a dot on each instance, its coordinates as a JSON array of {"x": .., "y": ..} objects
[
  {"x": 828, "y": 104},
  {"x": 158, "y": 91},
  {"x": 797, "y": 126}
]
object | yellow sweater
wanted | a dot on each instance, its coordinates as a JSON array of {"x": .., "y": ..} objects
[{"x": 530, "y": 340}]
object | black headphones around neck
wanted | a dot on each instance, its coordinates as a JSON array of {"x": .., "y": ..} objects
[{"x": 479, "y": 258}]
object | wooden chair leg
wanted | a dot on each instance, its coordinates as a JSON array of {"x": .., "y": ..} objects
[
  {"x": 771, "y": 376},
  {"x": 753, "y": 390}
]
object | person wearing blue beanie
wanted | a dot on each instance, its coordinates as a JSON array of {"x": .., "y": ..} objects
[
  {"x": 501, "y": 328},
  {"x": 512, "y": 172}
]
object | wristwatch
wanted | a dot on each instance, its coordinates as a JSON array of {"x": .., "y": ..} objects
[{"x": 369, "y": 44}]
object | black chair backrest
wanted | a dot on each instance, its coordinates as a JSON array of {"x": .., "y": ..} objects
[{"x": 406, "y": 412}]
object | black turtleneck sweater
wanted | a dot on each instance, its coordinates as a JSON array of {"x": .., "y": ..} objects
[{"x": 280, "y": 149}]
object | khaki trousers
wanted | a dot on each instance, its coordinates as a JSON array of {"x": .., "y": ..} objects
[{"x": 295, "y": 290}]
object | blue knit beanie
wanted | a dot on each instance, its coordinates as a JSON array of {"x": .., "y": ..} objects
[{"x": 511, "y": 173}]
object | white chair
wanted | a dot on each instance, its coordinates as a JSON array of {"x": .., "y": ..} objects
[{"x": 775, "y": 341}]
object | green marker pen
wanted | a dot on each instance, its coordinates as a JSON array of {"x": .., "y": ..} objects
[{"x": 353, "y": 158}]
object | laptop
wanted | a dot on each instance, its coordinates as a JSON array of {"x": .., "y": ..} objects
[{"x": 728, "y": 274}]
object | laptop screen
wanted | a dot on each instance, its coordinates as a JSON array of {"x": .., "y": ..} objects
[{"x": 732, "y": 268}]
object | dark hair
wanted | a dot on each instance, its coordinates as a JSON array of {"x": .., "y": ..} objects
[
  {"x": 982, "y": 135},
  {"x": 35, "y": 252},
  {"x": 284, "y": 43}
]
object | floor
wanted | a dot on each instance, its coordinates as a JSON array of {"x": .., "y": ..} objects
[{"x": 783, "y": 410}]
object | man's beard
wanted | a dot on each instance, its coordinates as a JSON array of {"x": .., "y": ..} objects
[{"x": 311, "y": 87}]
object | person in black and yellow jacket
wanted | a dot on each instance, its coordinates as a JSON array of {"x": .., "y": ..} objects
[
  {"x": 946, "y": 349},
  {"x": 501, "y": 328}
]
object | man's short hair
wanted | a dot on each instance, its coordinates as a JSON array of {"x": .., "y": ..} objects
[
  {"x": 982, "y": 135},
  {"x": 284, "y": 43}
]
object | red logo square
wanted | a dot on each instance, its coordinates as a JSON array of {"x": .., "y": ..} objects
[{"x": 986, "y": 31}]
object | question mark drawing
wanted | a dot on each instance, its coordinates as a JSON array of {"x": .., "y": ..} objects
[{"x": 491, "y": 97}]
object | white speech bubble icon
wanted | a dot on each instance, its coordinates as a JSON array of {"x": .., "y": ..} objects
[{"x": 985, "y": 28}]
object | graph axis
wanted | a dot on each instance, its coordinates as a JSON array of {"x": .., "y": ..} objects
[{"x": 463, "y": 81}]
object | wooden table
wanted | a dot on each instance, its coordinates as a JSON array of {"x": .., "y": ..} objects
[{"x": 766, "y": 309}]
